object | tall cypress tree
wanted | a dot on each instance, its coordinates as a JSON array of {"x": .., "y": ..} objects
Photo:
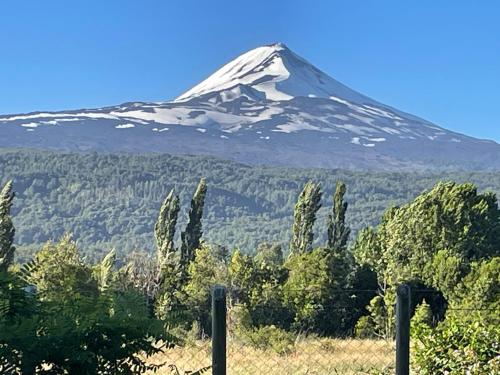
[
  {"x": 165, "y": 226},
  {"x": 338, "y": 231},
  {"x": 340, "y": 260},
  {"x": 7, "y": 230},
  {"x": 165, "y": 281},
  {"x": 304, "y": 217},
  {"x": 192, "y": 235}
]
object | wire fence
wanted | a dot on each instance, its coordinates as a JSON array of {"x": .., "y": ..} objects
[
  {"x": 307, "y": 355},
  {"x": 318, "y": 339},
  {"x": 323, "y": 341},
  {"x": 313, "y": 355}
]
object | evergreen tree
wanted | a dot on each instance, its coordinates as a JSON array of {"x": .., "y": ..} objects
[
  {"x": 192, "y": 235},
  {"x": 165, "y": 226},
  {"x": 342, "y": 262},
  {"x": 164, "y": 281},
  {"x": 338, "y": 231},
  {"x": 7, "y": 230},
  {"x": 304, "y": 217},
  {"x": 433, "y": 239}
]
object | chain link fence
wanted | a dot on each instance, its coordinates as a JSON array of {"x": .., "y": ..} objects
[
  {"x": 313, "y": 355},
  {"x": 317, "y": 344},
  {"x": 325, "y": 340}
]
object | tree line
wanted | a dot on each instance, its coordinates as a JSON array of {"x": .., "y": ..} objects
[
  {"x": 445, "y": 243},
  {"x": 111, "y": 201}
]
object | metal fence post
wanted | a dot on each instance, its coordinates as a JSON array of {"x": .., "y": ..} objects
[
  {"x": 218, "y": 330},
  {"x": 403, "y": 330}
]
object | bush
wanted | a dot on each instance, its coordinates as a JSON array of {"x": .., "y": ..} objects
[
  {"x": 269, "y": 337},
  {"x": 263, "y": 337},
  {"x": 54, "y": 319},
  {"x": 458, "y": 345},
  {"x": 376, "y": 324}
]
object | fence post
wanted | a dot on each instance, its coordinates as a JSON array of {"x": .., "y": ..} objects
[
  {"x": 403, "y": 330},
  {"x": 218, "y": 330}
]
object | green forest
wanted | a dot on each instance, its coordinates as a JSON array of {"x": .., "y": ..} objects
[
  {"x": 111, "y": 201},
  {"x": 62, "y": 311}
]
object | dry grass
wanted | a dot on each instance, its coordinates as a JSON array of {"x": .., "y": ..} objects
[{"x": 310, "y": 356}]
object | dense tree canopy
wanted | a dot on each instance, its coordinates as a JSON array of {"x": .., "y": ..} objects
[
  {"x": 112, "y": 201},
  {"x": 433, "y": 239}
]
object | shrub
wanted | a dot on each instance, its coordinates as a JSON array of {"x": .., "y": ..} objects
[
  {"x": 458, "y": 345},
  {"x": 269, "y": 337},
  {"x": 263, "y": 337},
  {"x": 54, "y": 319}
]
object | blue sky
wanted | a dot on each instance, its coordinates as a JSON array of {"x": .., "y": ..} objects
[{"x": 436, "y": 59}]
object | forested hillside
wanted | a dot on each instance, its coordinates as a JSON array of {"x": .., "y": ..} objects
[{"x": 113, "y": 200}]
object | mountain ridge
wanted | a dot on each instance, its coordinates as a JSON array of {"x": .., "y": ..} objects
[{"x": 268, "y": 106}]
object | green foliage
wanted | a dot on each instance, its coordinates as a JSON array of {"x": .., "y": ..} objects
[
  {"x": 192, "y": 234},
  {"x": 338, "y": 231},
  {"x": 14, "y": 299},
  {"x": 262, "y": 337},
  {"x": 446, "y": 239},
  {"x": 445, "y": 270},
  {"x": 60, "y": 274},
  {"x": 269, "y": 337},
  {"x": 165, "y": 278},
  {"x": 7, "y": 230},
  {"x": 422, "y": 316},
  {"x": 205, "y": 270},
  {"x": 364, "y": 281},
  {"x": 462, "y": 344},
  {"x": 243, "y": 277},
  {"x": 111, "y": 201},
  {"x": 376, "y": 324},
  {"x": 141, "y": 271},
  {"x": 269, "y": 253},
  {"x": 167, "y": 299},
  {"x": 257, "y": 283},
  {"x": 70, "y": 325},
  {"x": 314, "y": 292},
  {"x": 480, "y": 289},
  {"x": 432, "y": 240},
  {"x": 304, "y": 216},
  {"x": 165, "y": 227},
  {"x": 89, "y": 336},
  {"x": 173, "y": 272},
  {"x": 103, "y": 272}
]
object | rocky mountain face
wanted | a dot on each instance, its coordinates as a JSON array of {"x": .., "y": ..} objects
[{"x": 267, "y": 106}]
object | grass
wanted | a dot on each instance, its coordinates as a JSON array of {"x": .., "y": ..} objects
[{"x": 309, "y": 356}]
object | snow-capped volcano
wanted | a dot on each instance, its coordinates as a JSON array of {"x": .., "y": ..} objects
[
  {"x": 278, "y": 73},
  {"x": 267, "y": 106}
]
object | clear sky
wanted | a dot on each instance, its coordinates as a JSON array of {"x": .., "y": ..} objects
[{"x": 439, "y": 60}]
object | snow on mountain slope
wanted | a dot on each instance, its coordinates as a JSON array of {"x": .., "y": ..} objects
[
  {"x": 268, "y": 106},
  {"x": 278, "y": 73}
]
